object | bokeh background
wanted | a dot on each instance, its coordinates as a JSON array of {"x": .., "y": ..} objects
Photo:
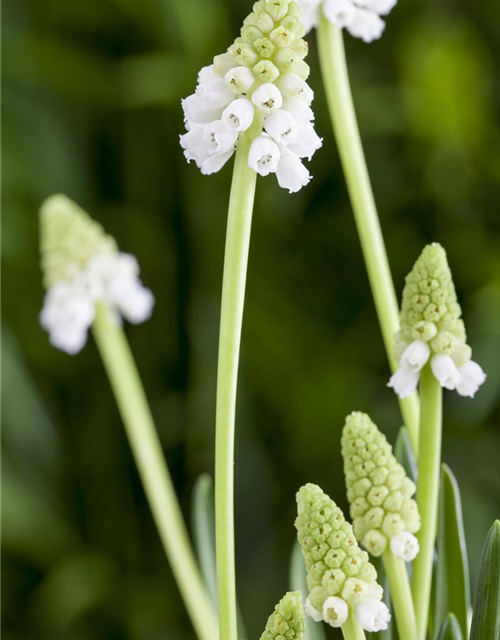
[{"x": 91, "y": 108}]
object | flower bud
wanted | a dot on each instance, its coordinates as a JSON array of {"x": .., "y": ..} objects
[
  {"x": 335, "y": 611},
  {"x": 243, "y": 53},
  {"x": 285, "y": 59},
  {"x": 288, "y": 620},
  {"x": 404, "y": 545},
  {"x": 266, "y": 71},
  {"x": 264, "y": 47},
  {"x": 239, "y": 79}
]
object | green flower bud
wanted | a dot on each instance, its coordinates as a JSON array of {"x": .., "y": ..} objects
[
  {"x": 282, "y": 37},
  {"x": 250, "y": 34},
  {"x": 337, "y": 567},
  {"x": 265, "y": 71},
  {"x": 224, "y": 62},
  {"x": 293, "y": 23},
  {"x": 243, "y": 53},
  {"x": 69, "y": 238},
  {"x": 300, "y": 47},
  {"x": 284, "y": 59},
  {"x": 277, "y": 9},
  {"x": 302, "y": 69},
  {"x": 265, "y": 22},
  {"x": 288, "y": 620},
  {"x": 381, "y": 496},
  {"x": 264, "y": 47}
]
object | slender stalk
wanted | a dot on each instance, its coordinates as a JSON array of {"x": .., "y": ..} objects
[
  {"x": 146, "y": 447},
  {"x": 233, "y": 296},
  {"x": 338, "y": 93},
  {"x": 427, "y": 492},
  {"x": 399, "y": 586},
  {"x": 351, "y": 629}
]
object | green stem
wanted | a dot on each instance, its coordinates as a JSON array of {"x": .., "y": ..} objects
[
  {"x": 233, "y": 296},
  {"x": 338, "y": 94},
  {"x": 399, "y": 586},
  {"x": 427, "y": 492},
  {"x": 146, "y": 447},
  {"x": 351, "y": 629}
]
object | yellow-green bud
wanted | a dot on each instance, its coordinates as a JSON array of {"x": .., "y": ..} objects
[
  {"x": 335, "y": 564},
  {"x": 277, "y": 9},
  {"x": 243, "y": 53},
  {"x": 302, "y": 69},
  {"x": 378, "y": 490},
  {"x": 69, "y": 238},
  {"x": 282, "y": 37},
  {"x": 284, "y": 59},
  {"x": 265, "y": 71},
  {"x": 264, "y": 47},
  {"x": 287, "y": 622}
]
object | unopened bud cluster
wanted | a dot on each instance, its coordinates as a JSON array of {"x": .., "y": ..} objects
[
  {"x": 379, "y": 492},
  {"x": 287, "y": 622},
  {"x": 81, "y": 266},
  {"x": 340, "y": 578},
  {"x": 361, "y": 18},
  {"x": 432, "y": 329},
  {"x": 258, "y": 86}
]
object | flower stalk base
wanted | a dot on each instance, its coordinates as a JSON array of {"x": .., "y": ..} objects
[
  {"x": 351, "y": 629},
  {"x": 132, "y": 403},
  {"x": 399, "y": 584}
]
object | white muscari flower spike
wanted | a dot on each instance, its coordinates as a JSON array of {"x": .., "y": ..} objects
[
  {"x": 432, "y": 331},
  {"x": 361, "y": 18},
  {"x": 81, "y": 267},
  {"x": 259, "y": 89}
]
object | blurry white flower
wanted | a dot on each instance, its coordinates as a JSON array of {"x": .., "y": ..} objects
[
  {"x": 471, "y": 378},
  {"x": 372, "y": 615},
  {"x": 405, "y": 545}
]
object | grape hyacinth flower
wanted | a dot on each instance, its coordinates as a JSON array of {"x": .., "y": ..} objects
[
  {"x": 361, "y": 18},
  {"x": 382, "y": 508},
  {"x": 341, "y": 580},
  {"x": 82, "y": 266},
  {"x": 287, "y": 620},
  {"x": 258, "y": 86},
  {"x": 432, "y": 330}
]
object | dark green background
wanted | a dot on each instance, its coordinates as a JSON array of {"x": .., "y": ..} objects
[{"x": 91, "y": 108}]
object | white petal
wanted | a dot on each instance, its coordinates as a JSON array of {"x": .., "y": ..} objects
[
  {"x": 292, "y": 86},
  {"x": 263, "y": 156},
  {"x": 299, "y": 110},
  {"x": 217, "y": 138},
  {"x": 307, "y": 143},
  {"x": 282, "y": 126},
  {"x": 215, "y": 162},
  {"x": 335, "y": 611},
  {"x": 134, "y": 301},
  {"x": 339, "y": 12},
  {"x": 445, "y": 371},
  {"x": 291, "y": 173},
  {"x": 239, "y": 114},
  {"x": 373, "y": 615},
  {"x": 239, "y": 79},
  {"x": 313, "y": 613},
  {"x": 198, "y": 113},
  {"x": 382, "y": 7},
  {"x": 405, "y": 545},
  {"x": 472, "y": 377},
  {"x": 212, "y": 90},
  {"x": 404, "y": 382},
  {"x": 415, "y": 356},
  {"x": 366, "y": 25},
  {"x": 267, "y": 98}
]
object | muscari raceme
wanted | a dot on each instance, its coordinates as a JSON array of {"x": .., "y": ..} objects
[
  {"x": 341, "y": 580},
  {"x": 287, "y": 621},
  {"x": 82, "y": 266},
  {"x": 432, "y": 330},
  {"x": 361, "y": 18},
  {"x": 259, "y": 83},
  {"x": 382, "y": 508}
]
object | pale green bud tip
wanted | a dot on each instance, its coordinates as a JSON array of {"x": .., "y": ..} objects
[
  {"x": 378, "y": 490},
  {"x": 429, "y": 305},
  {"x": 287, "y": 622},
  {"x": 335, "y": 564},
  {"x": 68, "y": 239}
]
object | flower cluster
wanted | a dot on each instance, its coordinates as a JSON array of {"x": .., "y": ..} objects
[
  {"x": 81, "y": 266},
  {"x": 378, "y": 490},
  {"x": 340, "y": 578},
  {"x": 287, "y": 621},
  {"x": 360, "y": 17},
  {"x": 432, "y": 329},
  {"x": 258, "y": 86}
]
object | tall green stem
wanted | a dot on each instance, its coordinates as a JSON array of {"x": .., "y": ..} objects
[
  {"x": 351, "y": 629},
  {"x": 146, "y": 447},
  {"x": 233, "y": 296},
  {"x": 338, "y": 93},
  {"x": 399, "y": 585},
  {"x": 427, "y": 492}
]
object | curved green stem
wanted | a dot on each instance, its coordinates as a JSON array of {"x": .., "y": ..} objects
[
  {"x": 338, "y": 93},
  {"x": 146, "y": 447},
  {"x": 427, "y": 492},
  {"x": 399, "y": 586},
  {"x": 351, "y": 629},
  {"x": 233, "y": 296}
]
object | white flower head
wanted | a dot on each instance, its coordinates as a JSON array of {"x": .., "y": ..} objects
[
  {"x": 373, "y": 615},
  {"x": 361, "y": 18},
  {"x": 257, "y": 89},
  {"x": 335, "y": 611},
  {"x": 82, "y": 267},
  {"x": 405, "y": 545}
]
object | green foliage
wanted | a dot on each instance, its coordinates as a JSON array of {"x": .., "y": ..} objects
[
  {"x": 486, "y": 616},
  {"x": 452, "y": 588},
  {"x": 450, "y": 629}
]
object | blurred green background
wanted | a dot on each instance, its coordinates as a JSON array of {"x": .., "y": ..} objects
[{"x": 91, "y": 108}]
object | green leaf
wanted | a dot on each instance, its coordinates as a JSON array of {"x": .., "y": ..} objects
[
  {"x": 486, "y": 616},
  {"x": 450, "y": 629},
  {"x": 203, "y": 517},
  {"x": 404, "y": 453},
  {"x": 298, "y": 582},
  {"x": 452, "y": 591}
]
